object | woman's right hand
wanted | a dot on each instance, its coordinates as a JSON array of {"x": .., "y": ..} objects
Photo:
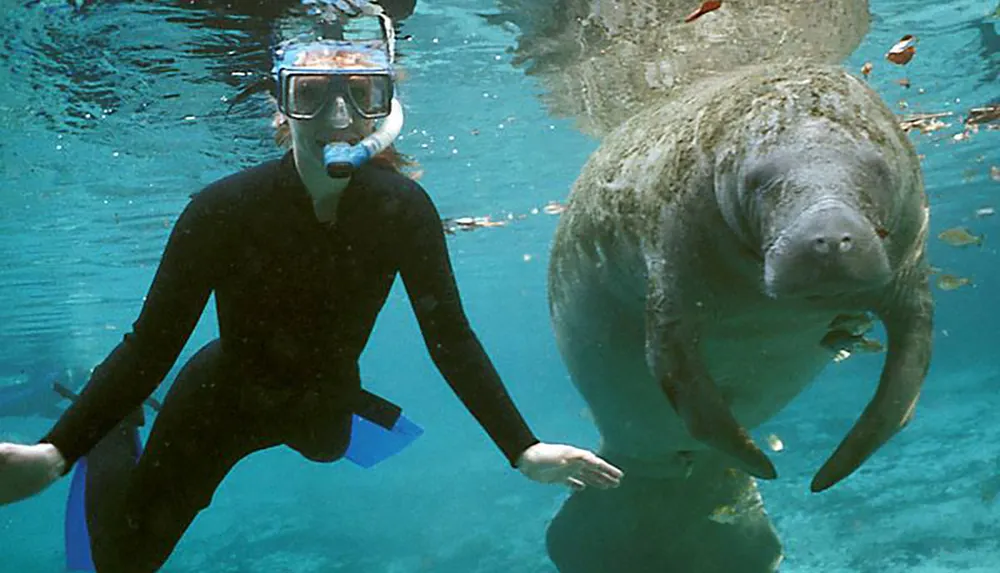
[{"x": 27, "y": 470}]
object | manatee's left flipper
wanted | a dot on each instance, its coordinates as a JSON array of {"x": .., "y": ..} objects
[
  {"x": 673, "y": 357},
  {"x": 908, "y": 320}
]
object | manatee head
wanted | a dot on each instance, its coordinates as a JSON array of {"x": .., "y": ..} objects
[
  {"x": 817, "y": 218},
  {"x": 830, "y": 220}
]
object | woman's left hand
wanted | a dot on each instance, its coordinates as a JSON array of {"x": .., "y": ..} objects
[{"x": 559, "y": 463}]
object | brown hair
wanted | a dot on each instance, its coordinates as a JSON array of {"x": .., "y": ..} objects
[{"x": 389, "y": 157}]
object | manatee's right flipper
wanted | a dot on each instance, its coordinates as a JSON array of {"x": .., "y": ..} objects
[
  {"x": 908, "y": 320},
  {"x": 673, "y": 357}
]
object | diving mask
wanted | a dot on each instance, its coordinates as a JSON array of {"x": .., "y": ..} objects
[{"x": 364, "y": 81}]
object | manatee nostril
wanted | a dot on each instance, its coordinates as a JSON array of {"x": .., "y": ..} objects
[
  {"x": 821, "y": 245},
  {"x": 845, "y": 243}
]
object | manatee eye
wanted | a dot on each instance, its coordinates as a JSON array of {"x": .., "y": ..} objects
[{"x": 760, "y": 177}]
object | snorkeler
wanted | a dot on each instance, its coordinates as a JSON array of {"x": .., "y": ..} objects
[{"x": 301, "y": 263}]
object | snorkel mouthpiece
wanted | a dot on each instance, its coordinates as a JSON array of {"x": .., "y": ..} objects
[{"x": 341, "y": 159}]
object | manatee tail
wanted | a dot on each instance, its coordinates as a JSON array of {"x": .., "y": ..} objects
[
  {"x": 711, "y": 520},
  {"x": 909, "y": 326}
]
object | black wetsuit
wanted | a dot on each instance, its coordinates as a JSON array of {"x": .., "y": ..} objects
[{"x": 296, "y": 300}]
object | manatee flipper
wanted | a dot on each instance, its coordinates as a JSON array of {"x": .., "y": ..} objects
[
  {"x": 909, "y": 326},
  {"x": 673, "y": 358}
]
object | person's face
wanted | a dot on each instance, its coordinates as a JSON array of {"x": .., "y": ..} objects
[{"x": 336, "y": 121}]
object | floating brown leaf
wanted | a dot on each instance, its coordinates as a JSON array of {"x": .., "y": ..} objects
[
  {"x": 903, "y": 51},
  {"x": 979, "y": 115},
  {"x": 705, "y": 8}
]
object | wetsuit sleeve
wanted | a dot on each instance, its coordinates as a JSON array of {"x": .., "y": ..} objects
[
  {"x": 430, "y": 284},
  {"x": 128, "y": 376}
]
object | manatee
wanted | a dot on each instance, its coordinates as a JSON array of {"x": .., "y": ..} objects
[{"x": 707, "y": 247}]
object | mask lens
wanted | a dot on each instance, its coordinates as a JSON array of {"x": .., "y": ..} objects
[
  {"x": 307, "y": 94},
  {"x": 370, "y": 94}
]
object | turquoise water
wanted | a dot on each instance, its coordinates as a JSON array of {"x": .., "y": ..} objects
[{"x": 110, "y": 118}]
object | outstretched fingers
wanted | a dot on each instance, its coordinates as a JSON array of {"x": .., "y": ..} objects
[{"x": 594, "y": 471}]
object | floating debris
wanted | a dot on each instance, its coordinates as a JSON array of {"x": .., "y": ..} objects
[
  {"x": 952, "y": 282},
  {"x": 925, "y": 122},
  {"x": 904, "y": 82},
  {"x": 995, "y": 173},
  {"x": 985, "y": 212},
  {"x": 469, "y": 224},
  {"x": 775, "y": 443},
  {"x": 705, "y": 8},
  {"x": 553, "y": 208},
  {"x": 981, "y": 115},
  {"x": 903, "y": 51},
  {"x": 960, "y": 237},
  {"x": 866, "y": 69}
]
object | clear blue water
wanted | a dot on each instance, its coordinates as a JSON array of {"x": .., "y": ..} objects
[{"x": 108, "y": 120}]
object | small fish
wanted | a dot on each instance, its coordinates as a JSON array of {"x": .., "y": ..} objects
[
  {"x": 960, "y": 237},
  {"x": 952, "y": 282},
  {"x": 839, "y": 341},
  {"x": 985, "y": 212},
  {"x": 989, "y": 489},
  {"x": 853, "y": 323},
  {"x": 868, "y": 345}
]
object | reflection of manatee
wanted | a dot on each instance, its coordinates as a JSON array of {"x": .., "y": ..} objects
[
  {"x": 602, "y": 61},
  {"x": 707, "y": 246}
]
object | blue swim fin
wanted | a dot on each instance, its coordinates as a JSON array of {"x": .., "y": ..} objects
[
  {"x": 77, "y": 535},
  {"x": 371, "y": 443},
  {"x": 379, "y": 431}
]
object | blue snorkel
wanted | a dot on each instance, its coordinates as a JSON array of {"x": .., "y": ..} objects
[{"x": 341, "y": 159}]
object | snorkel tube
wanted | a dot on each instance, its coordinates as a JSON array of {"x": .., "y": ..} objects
[{"x": 341, "y": 159}]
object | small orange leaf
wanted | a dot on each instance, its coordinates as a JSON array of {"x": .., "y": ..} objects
[
  {"x": 705, "y": 8},
  {"x": 903, "y": 51}
]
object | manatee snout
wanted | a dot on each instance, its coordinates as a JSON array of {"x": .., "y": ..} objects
[{"x": 830, "y": 248}]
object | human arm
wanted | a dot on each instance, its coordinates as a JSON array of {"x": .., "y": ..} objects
[
  {"x": 172, "y": 307},
  {"x": 461, "y": 359}
]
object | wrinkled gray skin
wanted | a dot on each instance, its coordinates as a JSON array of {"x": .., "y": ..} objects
[{"x": 707, "y": 246}]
